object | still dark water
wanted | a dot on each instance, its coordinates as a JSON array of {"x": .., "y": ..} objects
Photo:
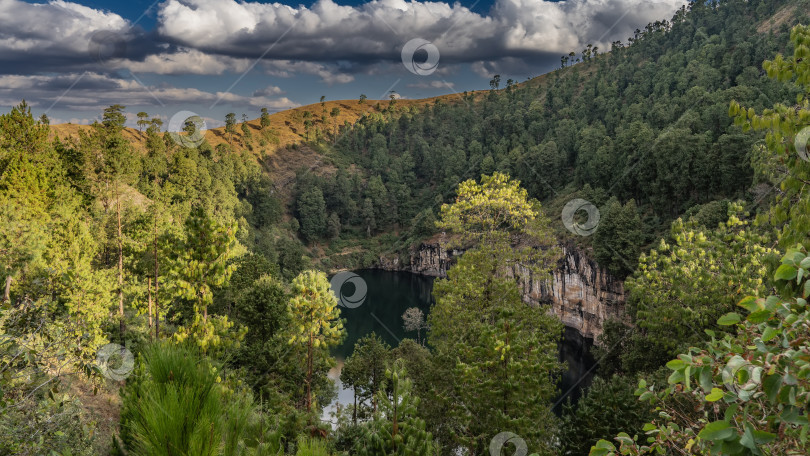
[{"x": 391, "y": 293}]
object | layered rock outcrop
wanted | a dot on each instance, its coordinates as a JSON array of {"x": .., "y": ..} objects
[{"x": 582, "y": 294}]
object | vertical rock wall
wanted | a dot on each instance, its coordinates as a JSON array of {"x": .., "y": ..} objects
[{"x": 580, "y": 293}]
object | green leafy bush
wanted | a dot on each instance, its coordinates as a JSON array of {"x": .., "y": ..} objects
[{"x": 751, "y": 390}]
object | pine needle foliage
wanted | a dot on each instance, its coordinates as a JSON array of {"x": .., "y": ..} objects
[{"x": 175, "y": 404}]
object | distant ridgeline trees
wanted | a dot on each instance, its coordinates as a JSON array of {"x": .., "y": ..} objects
[{"x": 647, "y": 121}]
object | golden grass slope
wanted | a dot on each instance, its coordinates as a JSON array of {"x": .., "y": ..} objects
[{"x": 287, "y": 125}]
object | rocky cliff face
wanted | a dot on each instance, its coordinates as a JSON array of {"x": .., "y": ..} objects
[
  {"x": 430, "y": 259},
  {"x": 581, "y": 293}
]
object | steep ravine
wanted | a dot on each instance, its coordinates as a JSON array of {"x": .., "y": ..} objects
[{"x": 581, "y": 293}]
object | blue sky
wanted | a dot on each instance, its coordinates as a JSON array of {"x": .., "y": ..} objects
[{"x": 71, "y": 59}]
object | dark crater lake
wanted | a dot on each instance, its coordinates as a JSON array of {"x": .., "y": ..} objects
[{"x": 390, "y": 293}]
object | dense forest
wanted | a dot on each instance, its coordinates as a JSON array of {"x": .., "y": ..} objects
[
  {"x": 646, "y": 122},
  {"x": 167, "y": 298}
]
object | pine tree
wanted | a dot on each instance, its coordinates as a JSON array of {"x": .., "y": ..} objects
[
  {"x": 201, "y": 265},
  {"x": 265, "y": 118},
  {"x": 142, "y": 120},
  {"x": 334, "y": 114},
  {"x": 230, "y": 125},
  {"x": 312, "y": 213},
  {"x": 26, "y": 191},
  {"x": 618, "y": 239},
  {"x": 364, "y": 370},
  {"x": 245, "y": 127},
  {"x": 316, "y": 319},
  {"x": 111, "y": 164},
  {"x": 113, "y": 117},
  {"x": 498, "y": 356},
  {"x": 396, "y": 430},
  {"x": 307, "y": 123}
]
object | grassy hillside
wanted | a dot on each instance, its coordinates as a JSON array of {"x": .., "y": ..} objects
[{"x": 287, "y": 126}]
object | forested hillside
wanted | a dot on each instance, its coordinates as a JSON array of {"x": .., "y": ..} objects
[
  {"x": 640, "y": 131},
  {"x": 169, "y": 296}
]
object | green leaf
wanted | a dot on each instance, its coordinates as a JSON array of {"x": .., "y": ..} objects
[
  {"x": 749, "y": 303},
  {"x": 715, "y": 395},
  {"x": 602, "y": 448},
  {"x": 759, "y": 316},
  {"x": 718, "y": 430},
  {"x": 762, "y": 437},
  {"x": 646, "y": 395},
  {"x": 785, "y": 272},
  {"x": 624, "y": 438},
  {"x": 731, "y": 411},
  {"x": 729, "y": 319},
  {"x": 747, "y": 439},
  {"x": 772, "y": 302},
  {"x": 705, "y": 378},
  {"x": 769, "y": 333},
  {"x": 676, "y": 364}
]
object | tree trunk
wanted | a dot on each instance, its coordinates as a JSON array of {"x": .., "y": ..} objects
[
  {"x": 157, "y": 307},
  {"x": 354, "y": 413},
  {"x": 309, "y": 374},
  {"x": 395, "y": 397},
  {"x": 375, "y": 386},
  {"x": 120, "y": 263},
  {"x": 506, "y": 375},
  {"x": 105, "y": 202},
  {"x": 149, "y": 288},
  {"x": 7, "y": 291}
]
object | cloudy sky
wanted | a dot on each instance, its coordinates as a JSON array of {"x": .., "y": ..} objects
[{"x": 211, "y": 57}]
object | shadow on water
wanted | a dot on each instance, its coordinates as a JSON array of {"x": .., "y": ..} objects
[
  {"x": 390, "y": 293},
  {"x": 575, "y": 351}
]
